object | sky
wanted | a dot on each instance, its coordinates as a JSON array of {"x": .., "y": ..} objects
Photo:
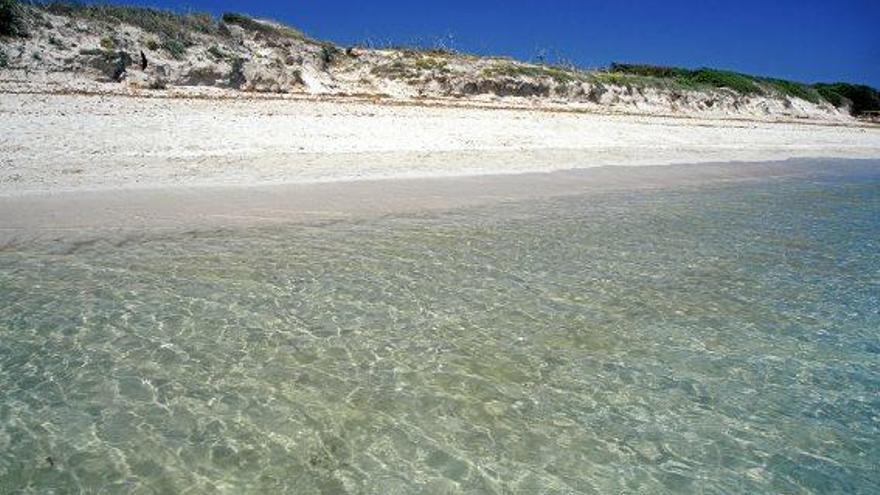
[{"x": 803, "y": 40}]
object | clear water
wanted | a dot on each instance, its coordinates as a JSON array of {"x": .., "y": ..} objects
[{"x": 717, "y": 339}]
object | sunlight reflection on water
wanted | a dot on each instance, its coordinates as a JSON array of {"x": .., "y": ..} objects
[{"x": 716, "y": 340}]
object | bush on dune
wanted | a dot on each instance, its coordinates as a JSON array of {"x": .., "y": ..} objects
[
  {"x": 795, "y": 89},
  {"x": 12, "y": 19},
  {"x": 162, "y": 22},
  {"x": 862, "y": 98},
  {"x": 175, "y": 30},
  {"x": 724, "y": 79},
  {"x": 692, "y": 78},
  {"x": 269, "y": 29},
  {"x": 645, "y": 70},
  {"x": 559, "y": 74}
]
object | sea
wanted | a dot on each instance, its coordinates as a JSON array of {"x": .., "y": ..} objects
[{"x": 717, "y": 338}]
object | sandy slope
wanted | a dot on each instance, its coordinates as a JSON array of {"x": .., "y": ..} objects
[{"x": 71, "y": 142}]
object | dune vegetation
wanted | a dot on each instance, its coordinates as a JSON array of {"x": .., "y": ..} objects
[{"x": 178, "y": 35}]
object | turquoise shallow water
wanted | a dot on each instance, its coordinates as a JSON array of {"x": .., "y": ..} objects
[{"x": 715, "y": 339}]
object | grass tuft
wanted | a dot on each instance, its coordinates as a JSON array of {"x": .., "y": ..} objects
[
  {"x": 413, "y": 68},
  {"x": 432, "y": 64},
  {"x": 107, "y": 43},
  {"x": 395, "y": 70}
]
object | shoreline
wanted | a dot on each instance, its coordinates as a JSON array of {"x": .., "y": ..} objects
[
  {"x": 75, "y": 217},
  {"x": 58, "y": 143}
]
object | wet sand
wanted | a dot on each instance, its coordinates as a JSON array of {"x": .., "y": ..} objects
[{"x": 79, "y": 216}]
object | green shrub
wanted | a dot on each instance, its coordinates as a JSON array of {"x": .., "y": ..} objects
[
  {"x": 236, "y": 75},
  {"x": 725, "y": 79},
  {"x": 4, "y": 59},
  {"x": 328, "y": 54},
  {"x": 107, "y": 43},
  {"x": 700, "y": 78},
  {"x": 795, "y": 89},
  {"x": 863, "y": 98},
  {"x": 12, "y": 19},
  {"x": 831, "y": 94},
  {"x": 242, "y": 20},
  {"x": 267, "y": 29},
  {"x": 56, "y": 42},
  {"x": 216, "y": 52},
  {"x": 175, "y": 48}
]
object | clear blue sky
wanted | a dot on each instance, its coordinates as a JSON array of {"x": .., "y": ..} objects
[{"x": 806, "y": 40}]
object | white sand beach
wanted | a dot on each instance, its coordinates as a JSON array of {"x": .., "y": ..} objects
[{"x": 55, "y": 143}]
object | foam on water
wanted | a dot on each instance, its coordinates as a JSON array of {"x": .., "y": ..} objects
[{"x": 717, "y": 339}]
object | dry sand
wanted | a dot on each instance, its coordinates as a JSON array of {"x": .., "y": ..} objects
[{"x": 53, "y": 143}]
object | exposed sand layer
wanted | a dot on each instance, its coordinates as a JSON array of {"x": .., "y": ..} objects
[{"x": 57, "y": 143}]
